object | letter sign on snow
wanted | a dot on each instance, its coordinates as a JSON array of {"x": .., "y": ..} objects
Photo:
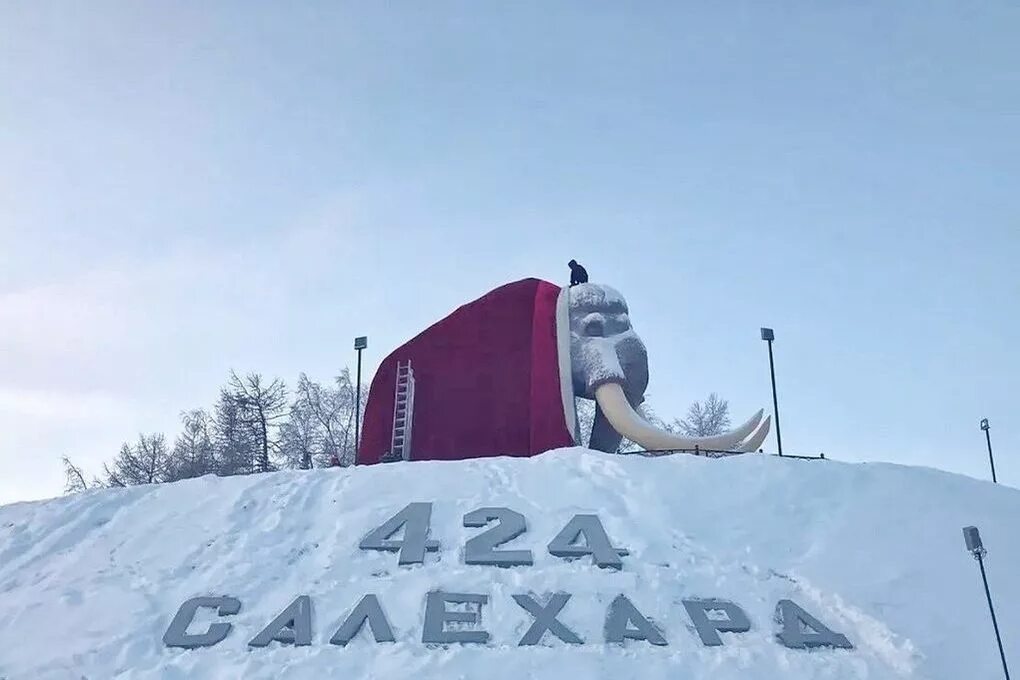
[
  {"x": 367, "y": 610},
  {"x": 545, "y": 620},
  {"x": 622, "y": 613},
  {"x": 177, "y": 634},
  {"x": 292, "y": 627},
  {"x": 482, "y": 548},
  {"x": 803, "y": 631},
  {"x": 414, "y": 519},
  {"x": 596, "y": 542},
  {"x": 736, "y": 620},
  {"x": 437, "y": 616}
]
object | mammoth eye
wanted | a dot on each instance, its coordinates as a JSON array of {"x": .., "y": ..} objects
[
  {"x": 621, "y": 323},
  {"x": 594, "y": 328}
]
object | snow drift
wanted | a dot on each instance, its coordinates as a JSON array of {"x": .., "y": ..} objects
[{"x": 90, "y": 583}]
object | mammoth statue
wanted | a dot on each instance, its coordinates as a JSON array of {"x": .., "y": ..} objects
[
  {"x": 499, "y": 375},
  {"x": 609, "y": 364}
]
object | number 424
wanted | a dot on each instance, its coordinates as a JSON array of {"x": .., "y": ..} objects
[{"x": 583, "y": 535}]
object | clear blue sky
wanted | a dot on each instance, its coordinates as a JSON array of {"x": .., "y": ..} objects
[{"x": 187, "y": 188}]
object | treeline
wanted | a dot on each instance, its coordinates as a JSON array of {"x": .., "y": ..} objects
[
  {"x": 256, "y": 425},
  {"x": 259, "y": 425}
]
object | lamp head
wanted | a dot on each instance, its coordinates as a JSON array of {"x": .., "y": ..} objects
[{"x": 972, "y": 537}]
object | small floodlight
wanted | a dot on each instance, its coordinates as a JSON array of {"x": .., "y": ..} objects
[
  {"x": 361, "y": 342},
  {"x": 984, "y": 424},
  {"x": 975, "y": 547},
  {"x": 767, "y": 334},
  {"x": 973, "y": 539}
]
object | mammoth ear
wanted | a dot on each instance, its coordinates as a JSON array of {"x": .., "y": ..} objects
[{"x": 564, "y": 363}]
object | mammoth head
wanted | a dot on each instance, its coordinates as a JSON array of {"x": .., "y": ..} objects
[{"x": 609, "y": 364}]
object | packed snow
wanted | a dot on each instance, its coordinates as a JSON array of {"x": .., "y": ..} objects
[{"x": 89, "y": 583}]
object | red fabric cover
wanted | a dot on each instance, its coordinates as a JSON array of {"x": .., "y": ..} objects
[{"x": 486, "y": 381}]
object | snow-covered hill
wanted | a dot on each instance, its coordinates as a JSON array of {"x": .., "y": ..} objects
[{"x": 89, "y": 584}]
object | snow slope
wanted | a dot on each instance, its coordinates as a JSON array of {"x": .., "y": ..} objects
[{"x": 89, "y": 584}]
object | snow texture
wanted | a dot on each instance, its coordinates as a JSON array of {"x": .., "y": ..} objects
[{"x": 89, "y": 583}]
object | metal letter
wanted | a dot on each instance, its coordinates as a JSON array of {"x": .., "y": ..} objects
[
  {"x": 481, "y": 548},
  {"x": 292, "y": 626},
  {"x": 736, "y": 620},
  {"x": 597, "y": 544},
  {"x": 366, "y": 610},
  {"x": 415, "y": 521},
  {"x": 622, "y": 612},
  {"x": 177, "y": 633},
  {"x": 803, "y": 631},
  {"x": 545, "y": 620},
  {"x": 437, "y": 616}
]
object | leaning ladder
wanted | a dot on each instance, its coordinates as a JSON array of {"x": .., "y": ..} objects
[{"x": 403, "y": 413}]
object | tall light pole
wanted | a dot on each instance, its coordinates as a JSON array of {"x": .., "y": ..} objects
[
  {"x": 360, "y": 343},
  {"x": 988, "y": 438},
  {"x": 973, "y": 540},
  {"x": 768, "y": 335}
]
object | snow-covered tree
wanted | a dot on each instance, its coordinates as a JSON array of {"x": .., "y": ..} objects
[
  {"x": 321, "y": 422},
  {"x": 300, "y": 439}
]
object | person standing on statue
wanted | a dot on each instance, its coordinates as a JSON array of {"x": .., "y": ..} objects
[{"x": 578, "y": 274}]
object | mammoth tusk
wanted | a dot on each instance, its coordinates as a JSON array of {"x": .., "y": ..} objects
[
  {"x": 627, "y": 422},
  {"x": 758, "y": 437}
]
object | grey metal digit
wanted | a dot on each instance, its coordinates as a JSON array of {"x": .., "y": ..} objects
[
  {"x": 545, "y": 620},
  {"x": 414, "y": 519},
  {"x": 622, "y": 613},
  {"x": 803, "y": 631},
  {"x": 368, "y": 609},
  {"x": 596, "y": 542},
  {"x": 437, "y": 616},
  {"x": 177, "y": 633},
  {"x": 481, "y": 548},
  {"x": 736, "y": 620},
  {"x": 292, "y": 627}
]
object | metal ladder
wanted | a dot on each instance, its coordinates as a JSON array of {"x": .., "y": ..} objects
[{"x": 403, "y": 413}]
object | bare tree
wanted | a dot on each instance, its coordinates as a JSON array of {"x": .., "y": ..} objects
[
  {"x": 193, "y": 453},
  {"x": 147, "y": 462},
  {"x": 74, "y": 478},
  {"x": 232, "y": 438},
  {"x": 705, "y": 419},
  {"x": 262, "y": 406}
]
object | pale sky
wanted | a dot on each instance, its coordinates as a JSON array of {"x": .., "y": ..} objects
[{"x": 187, "y": 188}]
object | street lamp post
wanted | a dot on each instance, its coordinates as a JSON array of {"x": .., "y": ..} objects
[
  {"x": 768, "y": 335},
  {"x": 973, "y": 540},
  {"x": 360, "y": 343},
  {"x": 988, "y": 438}
]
